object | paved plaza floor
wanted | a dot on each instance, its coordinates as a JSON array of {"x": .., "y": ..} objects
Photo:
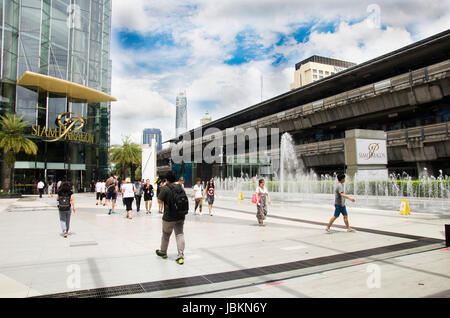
[{"x": 227, "y": 255}]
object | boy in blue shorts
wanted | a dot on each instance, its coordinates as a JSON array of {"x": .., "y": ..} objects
[{"x": 339, "y": 203}]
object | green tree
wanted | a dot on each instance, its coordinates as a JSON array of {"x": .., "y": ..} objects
[
  {"x": 13, "y": 141},
  {"x": 127, "y": 155}
]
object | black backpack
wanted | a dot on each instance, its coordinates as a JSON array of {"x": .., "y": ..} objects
[
  {"x": 64, "y": 202},
  {"x": 178, "y": 203},
  {"x": 111, "y": 188}
]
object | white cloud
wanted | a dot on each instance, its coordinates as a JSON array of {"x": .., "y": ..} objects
[
  {"x": 205, "y": 33},
  {"x": 138, "y": 107}
]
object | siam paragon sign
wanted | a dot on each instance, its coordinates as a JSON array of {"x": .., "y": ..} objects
[
  {"x": 370, "y": 152},
  {"x": 69, "y": 129}
]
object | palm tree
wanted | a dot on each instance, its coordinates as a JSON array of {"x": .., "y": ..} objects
[
  {"x": 126, "y": 155},
  {"x": 13, "y": 141}
]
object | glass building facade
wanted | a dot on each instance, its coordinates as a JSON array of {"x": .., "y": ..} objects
[
  {"x": 65, "y": 40},
  {"x": 181, "y": 114},
  {"x": 152, "y": 133}
]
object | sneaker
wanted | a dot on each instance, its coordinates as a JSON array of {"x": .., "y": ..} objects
[
  {"x": 351, "y": 230},
  {"x": 180, "y": 261},
  {"x": 109, "y": 212},
  {"x": 328, "y": 230},
  {"x": 161, "y": 254}
]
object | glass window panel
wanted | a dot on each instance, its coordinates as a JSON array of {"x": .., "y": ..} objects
[
  {"x": 11, "y": 14},
  {"x": 30, "y": 20},
  {"x": 95, "y": 51},
  {"x": 29, "y": 46},
  {"x": 59, "y": 33},
  {"x": 79, "y": 109},
  {"x": 83, "y": 4},
  {"x": 26, "y": 104},
  {"x": 10, "y": 54},
  {"x": 56, "y": 106},
  {"x": 58, "y": 62},
  {"x": 80, "y": 42},
  {"x": 31, "y": 3}
]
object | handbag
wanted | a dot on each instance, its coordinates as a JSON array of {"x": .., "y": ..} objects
[{"x": 254, "y": 199}]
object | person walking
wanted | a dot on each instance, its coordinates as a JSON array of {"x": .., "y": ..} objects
[
  {"x": 128, "y": 194},
  {"x": 339, "y": 204},
  {"x": 138, "y": 196},
  {"x": 40, "y": 187},
  {"x": 148, "y": 196},
  {"x": 50, "y": 188},
  {"x": 199, "y": 195},
  {"x": 99, "y": 192},
  {"x": 262, "y": 200},
  {"x": 176, "y": 206},
  {"x": 58, "y": 185},
  {"x": 103, "y": 195},
  {"x": 66, "y": 205},
  {"x": 111, "y": 186},
  {"x": 210, "y": 195}
]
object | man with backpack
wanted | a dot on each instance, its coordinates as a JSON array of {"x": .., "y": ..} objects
[
  {"x": 176, "y": 206},
  {"x": 111, "y": 193},
  {"x": 66, "y": 206}
]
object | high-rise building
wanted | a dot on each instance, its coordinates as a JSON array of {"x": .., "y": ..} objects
[
  {"x": 316, "y": 68},
  {"x": 149, "y": 135},
  {"x": 55, "y": 70},
  {"x": 181, "y": 114},
  {"x": 206, "y": 119}
]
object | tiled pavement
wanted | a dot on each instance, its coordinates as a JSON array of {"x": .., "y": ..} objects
[{"x": 110, "y": 251}]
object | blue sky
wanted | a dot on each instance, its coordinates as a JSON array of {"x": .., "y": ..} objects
[{"x": 218, "y": 50}]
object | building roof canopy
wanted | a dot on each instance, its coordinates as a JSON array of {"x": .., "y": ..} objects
[{"x": 72, "y": 90}]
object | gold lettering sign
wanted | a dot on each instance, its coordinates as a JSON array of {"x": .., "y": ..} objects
[{"x": 69, "y": 128}]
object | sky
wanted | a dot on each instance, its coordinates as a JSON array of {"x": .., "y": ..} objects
[{"x": 218, "y": 50}]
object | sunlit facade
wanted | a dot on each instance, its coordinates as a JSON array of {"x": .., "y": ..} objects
[{"x": 65, "y": 40}]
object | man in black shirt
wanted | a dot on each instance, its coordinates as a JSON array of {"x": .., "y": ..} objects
[{"x": 171, "y": 223}]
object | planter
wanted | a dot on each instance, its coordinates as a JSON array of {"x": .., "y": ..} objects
[{"x": 10, "y": 196}]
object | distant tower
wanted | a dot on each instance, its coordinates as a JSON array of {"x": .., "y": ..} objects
[
  {"x": 206, "y": 119},
  {"x": 181, "y": 117},
  {"x": 150, "y": 134}
]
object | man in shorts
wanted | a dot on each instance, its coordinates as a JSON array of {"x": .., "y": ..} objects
[
  {"x": 339, "y": 203},
  {"x": 199, "y": 195},
  {"x": 111, "y": 193}
]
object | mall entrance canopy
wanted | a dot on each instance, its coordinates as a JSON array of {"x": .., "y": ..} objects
[{"x": 35, "y": 81}]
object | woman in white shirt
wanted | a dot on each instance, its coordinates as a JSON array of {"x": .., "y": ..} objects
[
  {"x": 128, "y": 192},
  {"x": 262, "y": 199}
]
